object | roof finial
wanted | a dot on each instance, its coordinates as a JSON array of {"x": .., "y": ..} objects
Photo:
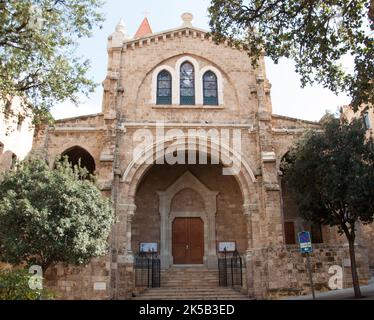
[
  {"x": 187, "y": 19},
  {"x": 121, "y": 26}
]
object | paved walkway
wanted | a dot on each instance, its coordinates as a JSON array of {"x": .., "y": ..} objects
[{"x": 343, "y": 294}]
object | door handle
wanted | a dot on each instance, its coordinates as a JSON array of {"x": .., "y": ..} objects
[{"x": 187, "y": 247}]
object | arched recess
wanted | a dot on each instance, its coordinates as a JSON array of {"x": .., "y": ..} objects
[
  {"x": 80, "y": 155},
  {"x": 139, "y": 165}
]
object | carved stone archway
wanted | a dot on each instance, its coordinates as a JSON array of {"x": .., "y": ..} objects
[{"x": 188, "y": 181}]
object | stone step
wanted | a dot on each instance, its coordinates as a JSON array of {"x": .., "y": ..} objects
[
  {"x": 190, "y": 283},
  {"x": 198, "y": 298},
  {"x": 191, "y": 294},
  {"x": 189, "y": 277},
  {"x": 193, "y": 289}
]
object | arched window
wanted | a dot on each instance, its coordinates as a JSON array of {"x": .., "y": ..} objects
[
  {"x": 210, "y": 88},
  {"x": 187, "y": 84},
  {"x": 164, "y": 87},
  {"x": 79, "y": 155}
]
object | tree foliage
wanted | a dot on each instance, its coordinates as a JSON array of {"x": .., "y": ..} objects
[
  {"x": 14, "y": 285},
  {"x": 331, "y": 174},
  {"x": 37, "y": 52},
  {"x": 317, "y": 34},
  {"x": 51, "y": 215}
]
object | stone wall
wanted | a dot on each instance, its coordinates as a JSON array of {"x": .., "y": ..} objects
[
  {"x": 80, "y": 283},
  {"x": 281, "y": 271},
  {"x": 367, "y": 239},
  {"x": 16, "y": 135}
]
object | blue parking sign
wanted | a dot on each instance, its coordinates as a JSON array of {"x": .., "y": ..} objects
[{"x": 305, "y": 242}]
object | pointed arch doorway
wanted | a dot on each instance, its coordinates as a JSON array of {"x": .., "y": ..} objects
[{"x": 188, "y": 236}]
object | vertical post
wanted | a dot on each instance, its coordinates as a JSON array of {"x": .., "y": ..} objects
[
  {"x": 310, "y": 274},
  {"x": 149, "y": 275},
  {"x": 232, "y": 271},
  {"x": 225, "y": 269}
]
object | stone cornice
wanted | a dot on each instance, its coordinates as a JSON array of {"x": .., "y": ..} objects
[
  {"x": 197, "y": 33},
  {"x": 249, "y": 126},
  {"x": 78, "y": 129}
]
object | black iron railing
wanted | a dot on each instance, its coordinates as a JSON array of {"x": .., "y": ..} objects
[
  {"x": 147, "y": 269},
  {"x": 230, "y": 269}
]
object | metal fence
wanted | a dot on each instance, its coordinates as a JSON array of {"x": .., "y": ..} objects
[
  {"x": 230, "y": 270},
  {"x": 147, "y": 267}
]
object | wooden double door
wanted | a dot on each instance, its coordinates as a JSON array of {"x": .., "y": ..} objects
[{"x": 188, "y": 241}]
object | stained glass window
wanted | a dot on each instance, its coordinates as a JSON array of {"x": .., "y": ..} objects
[
  {"x": 210, "y": 88},
  {"x": 164, "y": 87},
  {"x": 187, "y": 84}
]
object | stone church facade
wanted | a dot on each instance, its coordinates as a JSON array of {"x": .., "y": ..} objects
[{"x": 163, "y": 87}]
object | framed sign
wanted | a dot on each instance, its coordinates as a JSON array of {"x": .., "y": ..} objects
[
  {"x": 305, "y": 242},
  {"x": 230, "y": 246},
  {"x": 148, "y": 247}
]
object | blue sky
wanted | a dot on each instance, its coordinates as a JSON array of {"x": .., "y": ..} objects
[{"x": 287, "y": 97}]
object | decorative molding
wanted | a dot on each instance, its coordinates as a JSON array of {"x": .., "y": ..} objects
[
  {"x": 190, "y": 125},
  {"x": 77, "y": 129}
]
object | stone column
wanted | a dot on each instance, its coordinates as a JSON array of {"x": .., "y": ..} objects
[
  {"x": 130, "y": 214},
  {"x": 250, "y": 211},
  {"x": 165, "y": 252},
  {"x": 211, "y": 237},
  {"x": 247, "y": 211},
  {"x": 125, "y": 259},
  {"x": 270, "y": 184}
]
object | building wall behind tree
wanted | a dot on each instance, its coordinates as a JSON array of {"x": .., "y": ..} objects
[{"x": 16, "y": 135}]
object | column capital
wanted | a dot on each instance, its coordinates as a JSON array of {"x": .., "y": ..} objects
[{"x": 127, "y": 207}]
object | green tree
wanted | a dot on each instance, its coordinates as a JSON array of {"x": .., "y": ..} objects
[
  {"x": 315, "y": 33},
  {"x": 331, "y": 174},
  {"x": 15, "y": 285},
  {"x": 51, "y": 215},
  {"x": 37, "y": 52}
]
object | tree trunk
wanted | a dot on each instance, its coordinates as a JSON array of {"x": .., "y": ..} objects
[{"x": 352, "y": 255}]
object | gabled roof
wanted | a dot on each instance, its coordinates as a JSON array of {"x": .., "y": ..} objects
[{"x": 144, "y": 29}]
